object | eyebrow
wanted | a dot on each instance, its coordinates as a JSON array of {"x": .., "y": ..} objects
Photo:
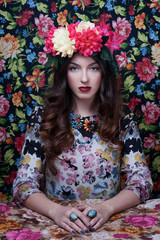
[{"x": 79, "y": 65}]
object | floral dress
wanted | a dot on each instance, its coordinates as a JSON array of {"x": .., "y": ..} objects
[{"x": 89, "y": 169}]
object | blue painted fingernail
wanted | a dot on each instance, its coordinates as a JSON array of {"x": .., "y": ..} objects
[
  {"x": 87, "y": 231},
  {"x": 93, "y": 229},
  {"x": 89, "y": 226},
  {"x": 82, "y": 231},
  {"x": 73, "y": 231}
]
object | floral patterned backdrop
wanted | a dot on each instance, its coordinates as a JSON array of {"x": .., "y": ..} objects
[{"x": 24, "y": 75}]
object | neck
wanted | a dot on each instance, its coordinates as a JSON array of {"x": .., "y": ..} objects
[{"x": 85, "y": 108}]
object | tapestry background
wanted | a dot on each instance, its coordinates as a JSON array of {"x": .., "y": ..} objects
[{"x": 24, "y": 76}]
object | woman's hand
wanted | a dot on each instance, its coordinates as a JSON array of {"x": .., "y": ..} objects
[
  {"x": 103, "y": 214},
  {"x": 61, "y": 216}
]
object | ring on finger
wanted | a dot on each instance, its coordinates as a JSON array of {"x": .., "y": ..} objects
[
  {"x": 92, "y": 213},
  {"x": 73, "y": 217}
]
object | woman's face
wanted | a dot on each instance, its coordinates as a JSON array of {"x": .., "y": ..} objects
[{"x": 84, "y": 77}]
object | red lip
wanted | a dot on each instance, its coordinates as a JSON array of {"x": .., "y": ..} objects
[{"x": 84, "y": 89}]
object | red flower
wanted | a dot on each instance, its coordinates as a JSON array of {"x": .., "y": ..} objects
[
  {"x": 133, "y": 103},
  {"x": 10, "y": 178},
  {"x": 122, "y": 28},
  {"x": 23, "y": 19},
  {"x": 159, "y": 95},
  {"x": 145, "y": 70},
  {"x": 19, "y": 141},
  {"x": 53, "y": 7},
  {"x": 150, "y": 142},
  {"x": 131, "y": 11},
  {"x": 44, "y": 24},
  {"x": 3, "y": 134},
  {"x": 151, "y": 112},
  {"x": 103, "y": 19},
  {"x": 8, "y": 88},
  {"x": 142, "y": 221}
]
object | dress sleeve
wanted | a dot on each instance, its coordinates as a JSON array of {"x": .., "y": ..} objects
[
  {"x": 31, "y": 164},
  {"x": 138, "y": 176}
]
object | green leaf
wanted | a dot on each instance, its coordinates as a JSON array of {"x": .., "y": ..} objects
[
  {"x": 20, "y": 114},
  {"x": 136, "y": 51},
  {"x": 3, "y": 121},
  {"x": 102, "y": 3},
  {"x": 37, "y": 66},
  {"x": 123, "y": 45},
  {"x": 18, "y": 84},
  {"x": 128, "y": 82},
  {"x": 156, "y": 164},
  {"x": 120, "y": 11},
  {"x": 1, "y": 89},
  {"x": 147, "y": 127},
  {"x": 8, "y": 157},
  {"x": 38, "y": 99},
  {"x": 14, "y": 127},
  {"x": 23, "y": 2},
  {"x": 83, "y": 17},
  {"x": 38, "y": 40},
  {"x": 12, "y": 25},
  {"x": 143, "y": 37},
  {"x": 149, "y": 95},
  {"x": 63, "y": 4},
  {"x": 42, "y": 7},
  {"x": 106, "y": 54},
  {"x": 157, "y": 18},
  {"x": 23, "y": 42},
  {"x": 50, "y": 79},
  {"x": 6, "y": 15},
  {"x": 2, "y": 182}
]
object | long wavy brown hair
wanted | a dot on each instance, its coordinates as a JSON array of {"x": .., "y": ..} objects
[{"x": 55, "y": 128}]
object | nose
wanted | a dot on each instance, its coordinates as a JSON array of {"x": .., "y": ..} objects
[{"x": 84, "y": 77}]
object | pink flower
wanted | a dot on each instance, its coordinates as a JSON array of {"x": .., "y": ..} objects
[
  {"x": 157, "y": 207},
  {"x": 4, "y": 106},
  {"x": 142, "y": 221},
  {"x": 2, "y": 62},
  {"x": 121, "y": 235},
  {"x": 89, "y": 41},
  {"x": 145, "y": 70},
  {"x": 150, "y": 142},
  {"x": 23, "y": 234},
  {"x": 151, "y": 112},
  {"x": 122, "y": 59},
  {"x": 103, "y": 19},
  {"x": 133, "y": 102},
  {"x": 44, "y": 24},
  {"x": 113, "y": 41},
  {"x": 42, "y": 58},
  {"x": 4, "y": 208},
  {"x": 122, "y": 28},
  {"x": 3, "y": 134}
]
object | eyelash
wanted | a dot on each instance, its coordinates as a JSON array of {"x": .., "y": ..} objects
[{"x": 76, "y": 68}]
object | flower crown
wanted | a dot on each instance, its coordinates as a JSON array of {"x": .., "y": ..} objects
[{"x": 82, "y": 37}]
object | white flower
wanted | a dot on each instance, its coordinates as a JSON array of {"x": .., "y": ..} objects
[
  {"x": 84, "y": 25},
  {"x": 62, "y": 43}
]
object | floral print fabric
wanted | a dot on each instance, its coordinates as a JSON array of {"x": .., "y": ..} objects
[
  {"x": 89, "y": 168},
  {"x": 24, "y": 77}
]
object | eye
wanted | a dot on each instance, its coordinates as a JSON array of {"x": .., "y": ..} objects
[
  {"x": 73, "y": 68},
  {"x": 95, "y": 68}
]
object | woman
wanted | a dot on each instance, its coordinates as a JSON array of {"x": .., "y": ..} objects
[{"x": 83, "y": 138}]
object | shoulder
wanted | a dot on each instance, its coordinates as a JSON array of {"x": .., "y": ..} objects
[
  {"x": 36, "y": 116},
  {"x": 127, "y": 119}
]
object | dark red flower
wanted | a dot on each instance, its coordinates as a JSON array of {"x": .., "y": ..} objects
[
  {"x": 23, "y": 19},
  {"x": 133, "y": 103},
  {"x": 131, "y": 11},
  {"x": 10, "y": 178},
  {"x": 8, "y": 88},
  {"x": 19, "y": 141},
  {"x": 53, "y": 7}
]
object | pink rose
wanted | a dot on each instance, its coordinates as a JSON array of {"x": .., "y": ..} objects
[
  {"x": 145, "y": 70},
  {"x": 3, "y": 134},
  {"x": 44, "y": 24},
  {"x": 23, "y": 234},
  {"x": 122, "y": 59},
  {"x": 142, "y": 221},
  {"x": 150, "y": 142},
  {"x": 113, "y": 41},
  {"x": 122, "y": 28},
  {"x": 42, "y": 58},
  {"x": 2, "y": 62},
  {"x": 151, "y": 112},
  {"x": 4, "y": 106},
  {"x": 4, "y": 208}
]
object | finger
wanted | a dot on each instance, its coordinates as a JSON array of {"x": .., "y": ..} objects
[
  {"x": 67, "y": 227},
  {"x": 78, "y": 226},
  {"x": 98, "y": 224}
]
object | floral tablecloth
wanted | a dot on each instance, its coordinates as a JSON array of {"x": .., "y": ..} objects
[{"x": 141, "y": 222}]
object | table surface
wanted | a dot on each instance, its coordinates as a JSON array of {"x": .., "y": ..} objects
[{"x": 141, "y": 222}]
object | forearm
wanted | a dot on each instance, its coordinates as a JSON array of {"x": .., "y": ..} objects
[
  {"x": 122, "y": 201},
  {"x": 41, "y": 204}
]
